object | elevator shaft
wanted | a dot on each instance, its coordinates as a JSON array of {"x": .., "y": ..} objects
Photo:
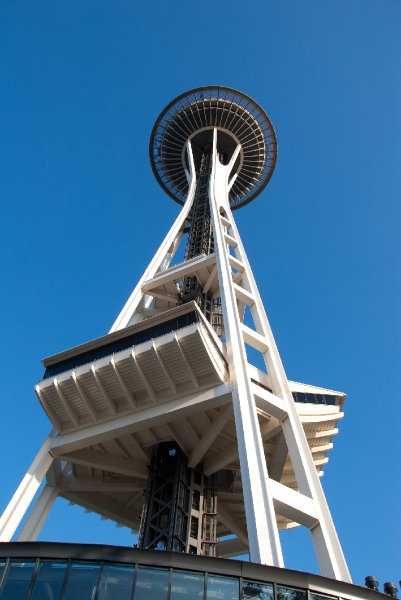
[
  {"x": 180, "y": 505},
  {"x": 200, "y": 239}
]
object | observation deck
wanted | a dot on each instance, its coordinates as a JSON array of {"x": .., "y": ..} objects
[
  {"x": 192, "y": 117},
  {"x": 164, "y": 379}
]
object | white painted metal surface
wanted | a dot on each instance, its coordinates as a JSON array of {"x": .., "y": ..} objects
[
  {"x": 38, "y": 515},
  {"x": 264, "y": 543},
  {"x": 189, "y": 386},
  {"x": 26, "y": 491}
]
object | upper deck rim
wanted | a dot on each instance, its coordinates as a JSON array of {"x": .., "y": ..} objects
[{"x": 244, "y": 190}]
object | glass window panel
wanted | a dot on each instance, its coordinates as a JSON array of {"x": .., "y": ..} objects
[
  {"x": 222, "y": 588},
  {"x": 314, "y": 596},
  {"x": 2, "y": 565},
  {"x": 49, "y": 580},
  {"x": 290, "y": 594},
  {"x": 253, "y": 590},
  {"x": 116, "y": 582},
  {"x": 82, "y": 581},
  {"x": 185, "y": 584},
  {"x": 17, "y": 580},
  {"x": 151, "y": 584}
]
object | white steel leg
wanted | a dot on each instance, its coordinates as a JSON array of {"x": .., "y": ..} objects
[
  {"x": 27, "y": 489},
  {"x": 328, "y": 549},
  {"x": 39, "y": 513},
  {"x": 264, "y": 542},
  {"x": 329, "y": 553},
  {"x": 163, "y": 255}
]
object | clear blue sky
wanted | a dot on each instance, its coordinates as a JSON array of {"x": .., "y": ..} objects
[{"x": 81, "y": 84}]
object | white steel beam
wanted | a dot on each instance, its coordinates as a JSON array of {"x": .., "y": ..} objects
[
  {"x": 269, "y": 402},
  {"x": 311, "y": 435},
  {"x": 115, "y": 463},
  {"x": 293, "y": 505},
  {"x": 149, "y": 416},
  {"x": 109, "y": 507},
  {"x": 234, "y": 157},
  {"x": 66, "y": 405},
  {"x": 84, "y": 397},
  {"x": 129, "y": 396},
  {"x": 54, "y": 418},
  {"x": 189, "y": 267},
  {"x": 165, "y": 297},
  {"x": 229, "y": 454},
  {"x": 33, "y": 525},
  {"x": 225, "y": 222},
  {"x": 137, "y": 450},
  {"x": 134, "y": 499},
  {"x": 162, "y": 255},
  {"x": 231, "y": 547},
  {"x": 243, "y": 295},
  {"x": 210, "y": 280},
  {"x": 145, "y": 381},
  {"x": 234, "y": 262},
  {"x": 109, "y": 402},
  {"x": 321, "y": 419},
  {"x": 322, "y": 448},
  {"x": 253, "y": 338},
  {"x": 320, "y": 461},
  {"x": 264, "y": 542},
  {"x": 289, "y": 478},
  {"x": 164, "y": 368},
  {"x": 55, "y": 472},
  {"x": 27, "y": 489},
  {"x": 190, "y": 431},
  {"x": 176, "y": 433},
  {"x": 186, "y": 363},
  {"x": 329, "y": 554},
  {"x": 100, "y": 484},
  {"x": 230, "y": 240},
  {"x": 226, "y": 517},
  {"x": 200, "y": 448},
  {"x": 278, "y": 458}
]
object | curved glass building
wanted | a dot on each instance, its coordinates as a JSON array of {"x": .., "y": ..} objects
[{"x": 50, "y": 571}]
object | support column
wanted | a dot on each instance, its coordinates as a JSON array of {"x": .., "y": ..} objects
[
  {"x": 264, "y": 541},
  {"x": 39, "y": 512},
  {"x": 27, "y": 489},
  {"x": 165, "y": 253},
  {"x": 180, "y": 506},
  {"x": 328, "y": 549}
]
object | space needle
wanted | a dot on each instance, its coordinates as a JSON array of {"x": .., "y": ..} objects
[{"x": 180, "y": 423}]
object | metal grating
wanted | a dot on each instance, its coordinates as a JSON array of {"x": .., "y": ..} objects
[{"x": 239, "y": 119}]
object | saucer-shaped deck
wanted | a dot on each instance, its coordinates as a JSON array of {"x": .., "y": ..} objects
[{"x": 193, "y": 116}]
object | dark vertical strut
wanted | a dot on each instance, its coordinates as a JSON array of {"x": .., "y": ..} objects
[
  {"x": 165, "y": 520},
  {"x": 180, "y": 506},
  {"x": 200, "y": 240},
  {"x": 201, "y": 235}
]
